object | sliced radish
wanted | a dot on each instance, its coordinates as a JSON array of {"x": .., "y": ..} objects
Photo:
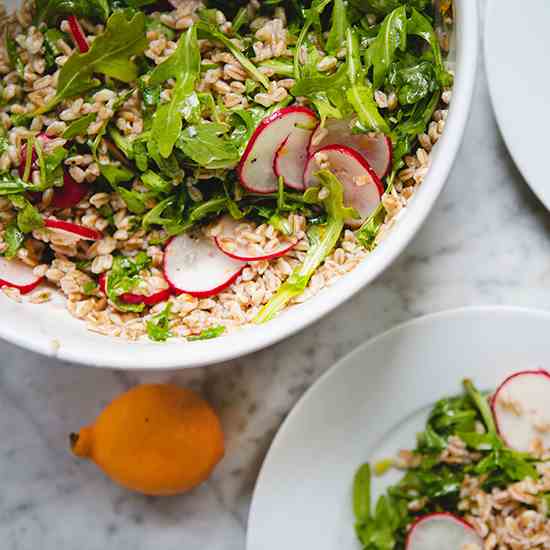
[
  {"x": 256, "y": 169},
  {"x": 521, "y": 408},
  {"x": 63, "y": 197},
  {"x": 196, "y": 266},
  {"x": 73, "y": 229},
  {"x": 229, "y": 243},
  {"x": 442, "y": 531},
  {"x": 291, "y": 157},
  {"x": 362, "y": 187},
  {"x": 78, "y": 34},
  {"x": 376, "y": 148},
  {"x": 131, "y": 298},
  {"x": 16, "y": 274},
  {"x": 70, "y": 194}
]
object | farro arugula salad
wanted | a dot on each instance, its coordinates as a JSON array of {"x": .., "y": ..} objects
[
  {"x": 181, "y": 169},
  {"x": 479, "y": 478}
]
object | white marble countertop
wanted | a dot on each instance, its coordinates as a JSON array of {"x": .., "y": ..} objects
[{"x": 485, "y": 243}]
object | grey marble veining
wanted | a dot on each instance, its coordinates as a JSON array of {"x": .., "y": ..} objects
[{"x": 486, "y": 242}]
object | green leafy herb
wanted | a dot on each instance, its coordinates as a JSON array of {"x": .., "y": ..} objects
[
  {"x": 158, "y": 328},
  {"x": 12, "y": 185},
  {"x": 248, "y": 66},
  {"x": 420, "y": 26},
  {"x": 322, "y": 241},
  {"x": 206, "y": 145},
  {"x": 125, "y": 277},
  {"x": 28, "y": 217},
  {"x": 109, "y": 54},
  {"x": 432, "y": 482},
  {"x": 361, "y": 96},
  {"x": 51, "y": 50},
  {"x": 184, "y": 66},
  {"x": 51, "y": 10},
  {"x": 391, "y": 37},
  {"x": 14, "y": 238},
  {"x": 337, "y": 33},
  {"x": 208, "y": 334},
  {"x": 312, "y": 17},
  {"x": 89, "y": 287},
  {"x": 13, "y": 57},
  {"x": 80, "y": 126}
]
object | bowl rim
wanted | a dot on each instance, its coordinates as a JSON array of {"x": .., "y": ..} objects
[{"x": 108, "y": 352}]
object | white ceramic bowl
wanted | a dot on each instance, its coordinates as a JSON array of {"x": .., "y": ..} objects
[{"x": 49, "y": 329}]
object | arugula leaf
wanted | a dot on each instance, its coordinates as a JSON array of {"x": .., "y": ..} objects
[
  {"x": 115, "y": 174},
  {"x": 323, "y": 240},
  {"x": 184, "y": 66},
  {"x": 80, "y": 126},
  {"x": 208, "y": 334},
  {"x": 413, "y": 123},
  {"x": 420, "y": 26},
  {"x": 248, "y": 66},
  {"x": 337, "y": 33},
  {"x": 12, "y": 185},
  {"x": 124, "y": 277},
  {"x": 13, "y": 57},
  {"x": 366, "y": 234},
  {"x": 280, "y": 68},
  {"x": 109, "y": 54},
  {"x": 122, "y": 143},
  {"x": 51, "y": 51},
  {"x": 134, "y": 200},
  {"x": 391, "y": 37},
  {"x": 361, "y": 95},
  {"x": 13, "y": 237},
  {"x": 89, "y": 287},
  {"x": 28, "y": 217},
  {"x": 312, "y": 17},
  {"x": 204, "y": 145},
  {"x": 4, "y": 141},
  {"x": 361, "y": 493},
  {"x": 51, "y": 10},
  {"x": 413, "y": 82},
  {"x": 158, "y": 328},
  {"x": 155, "y": 183}
]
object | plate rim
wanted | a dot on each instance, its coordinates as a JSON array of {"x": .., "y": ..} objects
[
  {"x": 459, "y": 312},
  {"x": 494, "y": 7}
]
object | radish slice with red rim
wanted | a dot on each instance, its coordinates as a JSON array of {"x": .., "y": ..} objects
[
  {"x": 521, "y": 409},
  {"x": 442, "y": 531},
  {"x": 132, "y": 298},
  {"x": 256, "y": 168},
  {"x": 73, "y": 229},
  {"x": 195, "y": 265},
  {"x": 15, "y": 274},
  {"x": 375, "y": 147},
  {"x": 291, "y": 157},
  {"x": 232, "y": 242},
  {"x": 362, "y": 187}
]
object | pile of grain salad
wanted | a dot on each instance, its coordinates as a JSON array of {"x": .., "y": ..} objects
[
  {"x": 182, "y": 169},
  {"x": 478, "y": 479}
]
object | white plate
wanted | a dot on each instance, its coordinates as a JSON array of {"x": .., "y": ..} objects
[
  {"x": 49, "y": 329},
  {"x": 517, "y": 43},
  {"x": 369, "y": 406}
]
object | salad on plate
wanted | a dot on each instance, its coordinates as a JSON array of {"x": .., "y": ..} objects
[
  {"x": 180, "y": 169},
  {"x": 478, "y": 479}
]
